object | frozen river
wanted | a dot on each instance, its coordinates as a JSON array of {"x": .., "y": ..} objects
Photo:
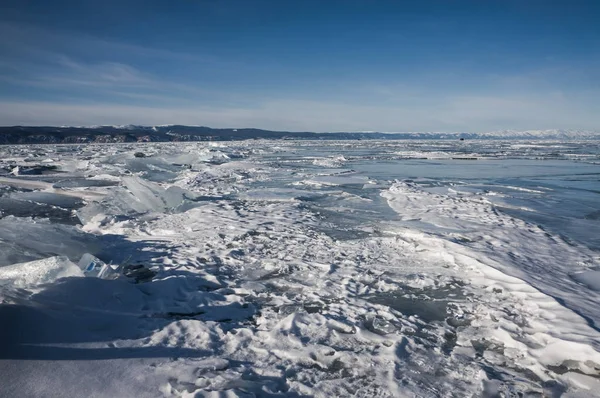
[{"x": 301, "y": 268}]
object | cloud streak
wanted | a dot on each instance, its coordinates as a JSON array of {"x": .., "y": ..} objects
[
  {"x": 37, "y": 42},
  {"x": 92, "y": 81}
]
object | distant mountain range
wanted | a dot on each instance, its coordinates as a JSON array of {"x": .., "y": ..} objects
[{"x": 133, "y": 133}]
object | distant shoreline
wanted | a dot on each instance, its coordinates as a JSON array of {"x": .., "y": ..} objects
[{"x": 179, "y": 133}]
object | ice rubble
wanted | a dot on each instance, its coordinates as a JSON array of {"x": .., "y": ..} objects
[
  {"x": 251, "y": 297},
  {"x": 312, "y": 277},
  {"x": 25, "y": 239},
  {"x": 33, "y": 273},
  {"x": 94, "y": 267},
  {"x": 513, "y": 246},
  {"x": 136, "y": 196}
]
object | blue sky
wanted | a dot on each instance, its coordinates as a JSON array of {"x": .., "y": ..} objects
[{"x": 302, "y": 65}]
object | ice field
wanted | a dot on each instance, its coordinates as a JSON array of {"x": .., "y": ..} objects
[{"x": 301, "y": 268}]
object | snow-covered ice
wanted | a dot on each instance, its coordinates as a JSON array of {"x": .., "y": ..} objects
[{"x": 300, "y": 268}]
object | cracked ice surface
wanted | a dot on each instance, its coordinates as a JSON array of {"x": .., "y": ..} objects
[{"x": 277, "y": 268}]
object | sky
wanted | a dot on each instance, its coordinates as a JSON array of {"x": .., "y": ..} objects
[{"x": 327, "y": 65}]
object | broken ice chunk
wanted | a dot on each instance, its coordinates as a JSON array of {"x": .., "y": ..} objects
[
  {"x": 379, "y": 325},
  {"x": 136, "y": 196},
  {"x": 288, "y": 309},
  {"x": 138, "y": 272},
  {"x": 340, "y": 327},
  {"x": 26, "y": 239},
  {"x": 151, "y": 196},
  {"x": 93, "y": 266},
  {"x": 90, "y": 265},
  {"x": 47, "y": 270}
]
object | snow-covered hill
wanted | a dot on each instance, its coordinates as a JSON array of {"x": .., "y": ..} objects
[
  {"x": 545, "y": 134},
  {"x": 136, "y": 133},
  {"x": 501, "y": 134}
]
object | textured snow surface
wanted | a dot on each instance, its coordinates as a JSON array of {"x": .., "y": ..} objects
[{"x": 302, "y": 269}]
